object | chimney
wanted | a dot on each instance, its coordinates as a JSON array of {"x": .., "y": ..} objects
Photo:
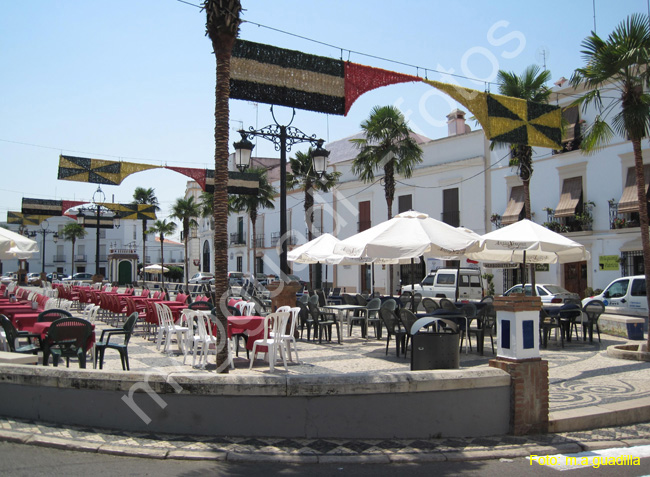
[{"x": 456, "y": 123}]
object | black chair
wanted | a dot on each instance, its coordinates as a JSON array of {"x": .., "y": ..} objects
[
  {"x": 470, "y": 312},
  {"x": 52, "y": 314},
  {"x": 12, "y": 336},
  {"x": 408, "y": 319},
  {"x": 405, "y": 300},
  {"x": 447, "y": 304},
  {"x": 592, "y": 310},
  {"x": 126, "y": 331},
  {"x": 67, "y": 338},
  {"x": 429, "y": 304},
  {"x": 485, "y": 324},
  {"x": 200, "y": 305},
  {"x": 373, "y": 307},
  {"x": 358, "y": 316},
  {"x": 568, "y": 314},
  {"x": 393, "y": 328},
  {"x": 546, "y": 324},
  {"x": 306, "y": 320},
  {"x": 389, "y": 304},
  {"x": 417, "y": 298},
  {"x": 324, "y": 321}
]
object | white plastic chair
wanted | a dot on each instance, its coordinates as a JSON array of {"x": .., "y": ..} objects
[
  {"x": 199, "y": 341},
  {"x": 248, "y": 309},
  {"x": 166, "y": 328},
  {"x": 273, "y": 323}
]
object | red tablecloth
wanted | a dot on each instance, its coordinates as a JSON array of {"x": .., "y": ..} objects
[
  {"x": 24, "y": 320},
  {"x": 253, "y": 326},
  {"x": 10, "y": 310},
  {"x": 43, "y": 327}
]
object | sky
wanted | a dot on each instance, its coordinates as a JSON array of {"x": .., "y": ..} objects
[{"x": 134, "y": 80}]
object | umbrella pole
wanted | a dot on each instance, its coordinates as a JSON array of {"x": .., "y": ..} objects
[
  {"x": 412, "y": 289},
  {"x": 523, "y": 271},
  {"x": 457, "y": 281}
]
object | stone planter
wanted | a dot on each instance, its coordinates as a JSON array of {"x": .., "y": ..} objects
[{"x": 633, "y": 352}]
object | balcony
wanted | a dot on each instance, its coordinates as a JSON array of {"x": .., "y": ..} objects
[
  {"x": 59, "y": 258},
  {"x": 80, "y": 258},
  {"x": 259, "y": 240},
  {"x": 275, "y": 238},
  {"x": 237, "y": 239},
  {"x": 621, "y": 220},
  {"x": 581, "y": 221},
  {"x": 316, "y": 231}
]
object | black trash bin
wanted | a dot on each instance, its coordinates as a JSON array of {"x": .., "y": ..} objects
[{"x": 434, "y": 349}]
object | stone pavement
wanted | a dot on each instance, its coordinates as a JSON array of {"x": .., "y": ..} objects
[{"x": 582, "y": 378}]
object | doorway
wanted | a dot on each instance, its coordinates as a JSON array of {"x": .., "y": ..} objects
[{"x": 575, "y": 277}]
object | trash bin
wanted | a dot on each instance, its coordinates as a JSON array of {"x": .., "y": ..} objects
[{"x": 434, "y": 350}]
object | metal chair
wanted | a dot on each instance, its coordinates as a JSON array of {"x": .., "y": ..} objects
[{"x": 592, "y": 310}]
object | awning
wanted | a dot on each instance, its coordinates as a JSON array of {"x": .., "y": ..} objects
[
  {"x": 571, "y": 116},
  {"x": 632, "y": 246},
  {"x": 515, "y": 204},
  {"x": 629, "y": 199},
  {"x": 571, "y": 194}
]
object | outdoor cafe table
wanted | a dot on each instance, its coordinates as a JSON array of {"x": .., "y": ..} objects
[
  {"x": 347, "y": 309},
  {"x": 252, "y": 326},
  {"x": 553, "y": 311},
  {"x": 42, "y": 328}
]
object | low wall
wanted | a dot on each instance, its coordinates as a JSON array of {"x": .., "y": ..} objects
[{"x": 419, "y": 404}]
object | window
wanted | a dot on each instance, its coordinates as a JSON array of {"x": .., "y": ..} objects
[
  {"x": 450, "y": 207},
  {"x": 629, "y": 200},
  {"x": 445, "y": 279},
  {"x": 364, "y": 215},
  {"x": 571, "y": 198},
  {"x": 240, "y": 263},
  {"x": 404, "y": 203},
  {"x": 515, "y": 208},
  {"x": 206, "y": 256},
  {"x": 638, "y": 287},
  {"x": 428, "y": 280},
  {"x": 618, "y": 289}
]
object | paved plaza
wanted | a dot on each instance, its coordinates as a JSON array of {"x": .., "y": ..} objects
[{"x": 582, "y": 376}]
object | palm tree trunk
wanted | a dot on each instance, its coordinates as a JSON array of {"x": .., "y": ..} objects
[
  {"x": 222, "y": 46},
  {"x": 162, "y": 262},
  {"x": 643, "y": 216},
  {"x": 185, "y": 234},
  {"x": 389, "y": 193},
  {"x": 254, "y": 229},
  {"x": 144, "y": 242}
]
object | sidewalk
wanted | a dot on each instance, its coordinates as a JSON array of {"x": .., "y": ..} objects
[{"x": 583, "y": 380}]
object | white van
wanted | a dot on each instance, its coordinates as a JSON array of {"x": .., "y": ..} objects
[
  {"x": 624, "y": 296},
  {"x": 442, "y": 284}
]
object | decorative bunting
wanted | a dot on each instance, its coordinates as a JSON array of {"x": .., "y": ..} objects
[
  {"x": 18, "y": 218},
  {"x": 292, "y": 78},
  {"x": 197, "y": 174},
  {"x": 97, "y": 171},
  {"x": 48, "y": 208},
  {"x": 132, "y": 211},
  {"x": 238, "y": 182},
  {"x": 508, "y": 119}
]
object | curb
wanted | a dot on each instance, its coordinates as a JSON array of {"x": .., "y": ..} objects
[{"x": 514, "y": 451}]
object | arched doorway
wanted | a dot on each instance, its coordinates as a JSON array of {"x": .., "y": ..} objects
[
  {"x": 206, "y": 256},
  {"x": 124, "y": 272}
]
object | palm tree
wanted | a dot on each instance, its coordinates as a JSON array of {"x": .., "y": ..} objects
[
  {"x": 619, "y": 65},
  {"x": 71, "y": 232},
  {"x": 387, "y": 145},
  {"x": 186, "y": 211},
  {"x": 251, "y": 204},
  {"x": 162, "y": 228},
  {"x": 529, "y": 86},
  {"x": 304, "y": 176},
  {"x": 147, "y": 197},
  {"x": 222, "y": 25}
]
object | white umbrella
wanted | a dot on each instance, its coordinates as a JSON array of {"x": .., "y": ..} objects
[
  {"x": 408, "y": 235},
  {"x": 155, "y": 268},
  {"x": 526, "y": 241},
  {"x": 16, "y": 246}
]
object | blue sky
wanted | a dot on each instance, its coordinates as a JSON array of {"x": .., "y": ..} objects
[{"x": 134, "y": 80}]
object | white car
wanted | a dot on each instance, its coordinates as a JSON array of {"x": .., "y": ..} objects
[
  {"x": 201, "y": 277},
  {"x": 442, "y": 284},
  {"x": 624, "y": 296},
  {"x": 547, "y": 292}
]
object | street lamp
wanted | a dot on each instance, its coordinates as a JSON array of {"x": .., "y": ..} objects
[
  {"x": 44, "y": 231},
  {"x": 98, "y": 198},
  {"x": 283, "y": 137}
]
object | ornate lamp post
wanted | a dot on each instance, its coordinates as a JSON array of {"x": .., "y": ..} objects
[
  {"x": 44, "y": 231},
  {"x": 283, "y": 137}
]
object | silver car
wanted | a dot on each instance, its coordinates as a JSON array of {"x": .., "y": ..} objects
[{"x": 547, "y": 292}]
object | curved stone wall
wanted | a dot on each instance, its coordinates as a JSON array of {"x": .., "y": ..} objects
[{"x": 419, "y": 404}]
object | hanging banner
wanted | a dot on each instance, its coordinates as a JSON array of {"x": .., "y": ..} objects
[
  {"x": 507, "y": 119},
  {"x": 132, "y": 211},
  {"x": 97, "y": 171},
  {"x": 272, "y": 75},
  {"x": 18, "y": 218}
]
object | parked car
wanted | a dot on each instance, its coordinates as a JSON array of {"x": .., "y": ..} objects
[
  {"x": 201, "y": 277},
  {"x": 9, "y": 277},
  {"x": 33, "y": 277},
  {"x": 624, "y": 296},
  {"x": 81, "y": 276},
  {"x": 547, "y": 292},
  {"x": 54, "y": 276},
  {"x": 442, "y": 284}
]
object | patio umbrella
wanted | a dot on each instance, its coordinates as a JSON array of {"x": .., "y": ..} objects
[
  {"x": 407, "y": 236},
  {"x": 321, "y": 250},
  {"x": 526, "y": 241},
  {"x": 156, "y": 268},
  {"x": 16, "y": 246}
]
